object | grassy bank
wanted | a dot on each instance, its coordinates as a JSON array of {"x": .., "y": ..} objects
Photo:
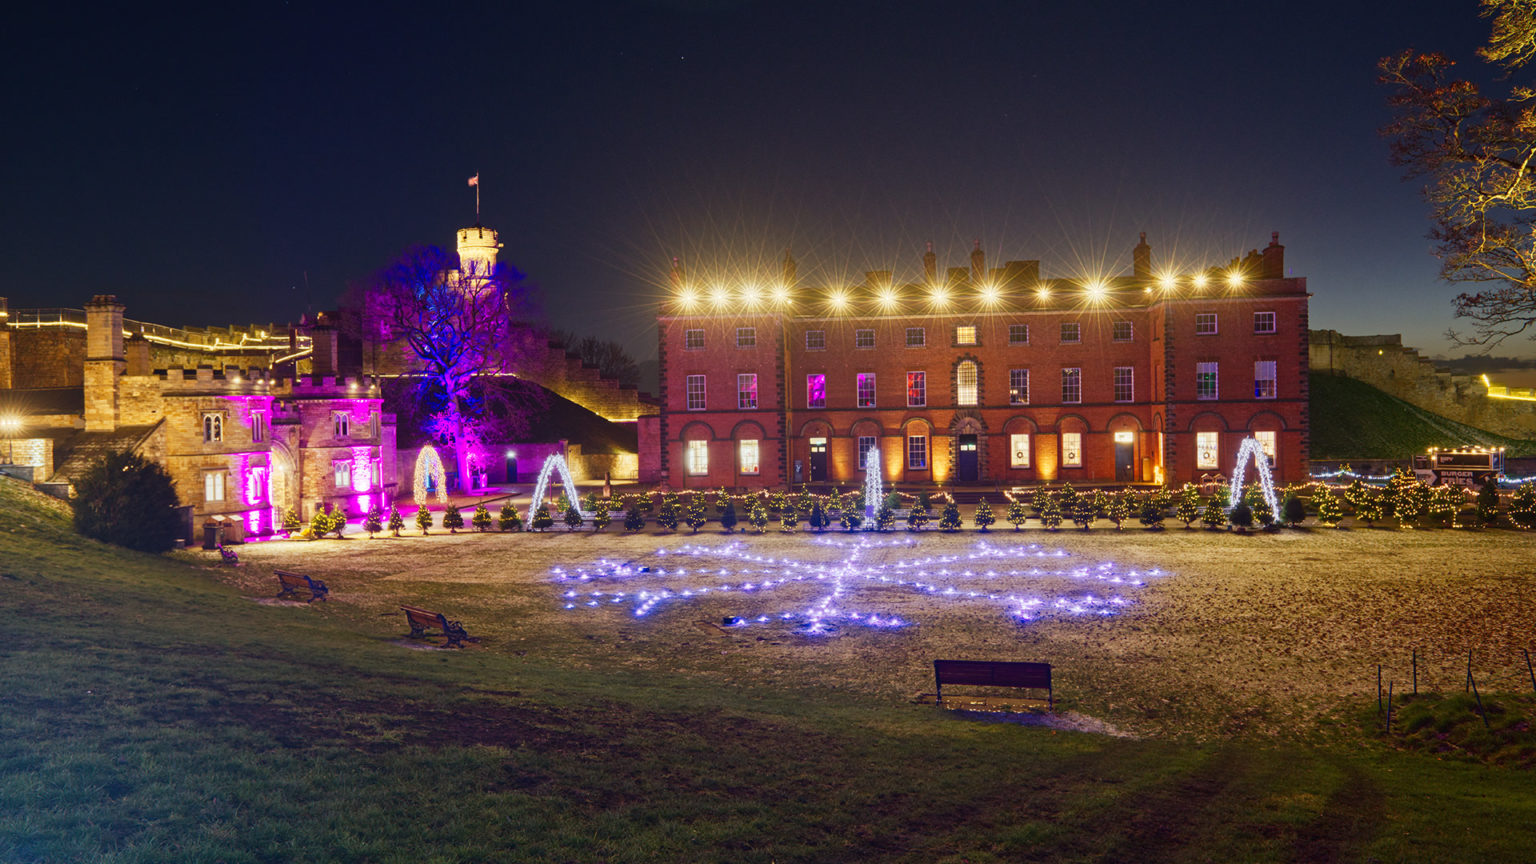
[
  {"x": 1353, "y": 420},
  {"x": 153, "y": 712}
]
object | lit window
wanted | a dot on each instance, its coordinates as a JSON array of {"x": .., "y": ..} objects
[
  {"x": 213, "y": 486},
  {"x": 746, "y": 392},
  {"x": 866, "y": 389},
  {"x": 1264, "y": 383},
  {"x": 917, "y": 451},
  {"x": 1205, "y": 380},
  {"x": 863, "y": 338},
  {"x": 966, "y": 376},
  {"x": 815, "y": 340},
  {"x": 258, "y": 485},
  {"x": 693, "y": 340},
  {"x": 1267, "y": 441},
  {"x": 1072, "y": 386},
  {"x": 343, "y": 423},
  {"x": 698, "y": 457},
  {"x": 695, "y": 392},
  {"x": 1205, "y": 323},
  {"x": 965, "y": 334},
  {"x": 377, "y": 471},
  {"x": 1207, "y": 454},
  {"x": 917, "y": 337},
  {"x": 816, "y": 391},
  {"x": 343, "y": 470},
  {"x": 1018, "y": 334},
  {"x": 866, "y": 444},
  {"x": 1125, "y": 383},
  {"x": 1120, "y": 331},
  {"x": 258, "y": 426},
  {"x": 1018, "y": 386},
  {"x": 1019, "y": 457},
  {"x": 1071, "y": 331},
  {"x": 1072, "y": 449},
  {"x": 746, "y": 454},
  {"x": 213, "y": 428},
  {"x": 1263, "y": 322},
  {"x": 373, "y": 425},
  {"x": 746, "y": 337},
  {"x": 917, "y": 389}
]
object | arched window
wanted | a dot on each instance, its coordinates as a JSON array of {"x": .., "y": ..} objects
[{"x": 965, "y": 383}]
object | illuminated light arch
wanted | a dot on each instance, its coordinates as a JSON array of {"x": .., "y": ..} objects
[
  {"x": 1251, "y": 449},
  {"x": 429, "y": 463},
  {"x": 874, "y": 486},
  {"x": 556, "y": 461}
]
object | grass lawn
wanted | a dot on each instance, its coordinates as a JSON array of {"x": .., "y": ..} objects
[{"x": 154, "y": 711}]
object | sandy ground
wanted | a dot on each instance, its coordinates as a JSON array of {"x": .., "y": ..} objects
[{"x": 1256, "y": 635}]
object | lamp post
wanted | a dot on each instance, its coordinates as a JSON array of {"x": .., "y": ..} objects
[{"x": 10, "y": 424}]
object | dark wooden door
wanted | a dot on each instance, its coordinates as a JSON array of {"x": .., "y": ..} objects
[
  {"x": 969, "y": 467},
  {"x": 1125, "y": 461},
  {"x": 818, "y": 460}
]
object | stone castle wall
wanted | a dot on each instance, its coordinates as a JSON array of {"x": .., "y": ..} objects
[{"x": 1384, "y": 363}]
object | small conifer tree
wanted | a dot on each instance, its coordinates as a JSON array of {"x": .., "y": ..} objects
[
  {"x": 481, "y": 518},
  {"x": 666, "y": 514},
  {"x": 949, "y": 520},
  {"x": 423, "y": 519},
  {"x": 509, "y": 519},
  {"x": 396, "y": 521},
  {"x": 697, "y": 517},
  {"x": 1189, "y": 505},
  {"x": 757, "y": 515},
  {"x": 1242, "y": 516},
  {"x": 777, "y": 501},
  {"x": 542, "y": 521},
  {"x": 924, "y": 501},
  {"x": 1444, "y": 502},
  {"x": 1037, "y": 501},
  {"x": 573, "y": 519},
  {"x": 1369, "y": 508},
  {"x": 1295, "y": 511},
  {"x": 1118, "y": 508},
  {"x": 885, "y": 518},
  {"x": 600, "y": 517},
  {"x": 373, "y": 523},
  {"x": 1258, "y": 505},
  {"x": 1050, "y": 514},
  {"x": 1017, "y": 515},
  {"x": 1066, "y": 498},
  {"x": 291, "y": 521},
  {"x": 789, "y": 518},
  {"x": 634, "y": 520},
  {"x": 453, "y": 520},
  {"x": 1215, "y": 516},
  {"x": 1101, "y": 502},
  {"x": 562, "y": 503},
  {"x": 1488, "y": 503},
  {"x": 851, "y": 518},
  {"x": 983, "y": 517},
  {"x": 728, "y": 513},
  {"x": 818, "y": 520},
  {"x": 1083, "y": 512},
  {"x": 803, "y": 500},
  {"x": 917, "y": 517},
  {"x": 1329, "y": 511},
  {"x": 320, "y": 523},
  {"x": 1522, "y": 505},
  {"x": 1152, "y": 513}
]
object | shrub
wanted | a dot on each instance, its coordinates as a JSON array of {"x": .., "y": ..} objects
[
  {"x": 373, "y": 523},
  {"x": 396, "y": 521},
  {"x": 453, "y": 520},
  {"x": 128, "y": 500},
  {"x": 1242, "y": 516},
  {"x": 983, "y": 517},
  {"x": 481, "y": 518},
  {"x": 728, "y": 513},
  {"x": 508, "y": 519},
  {"x": 1295, "y": 511},
  {"x": 634, "y": 520}
]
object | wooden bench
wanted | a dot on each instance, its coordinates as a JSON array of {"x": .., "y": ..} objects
[
  {"x": 421, "y": 619},
  {"x": 992, "y": 673},
  {"x": 228, "y": 555},
  {"x": 292, "y": 582}
]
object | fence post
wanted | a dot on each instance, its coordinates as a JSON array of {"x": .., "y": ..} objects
[
  {"x": 1415, "y": 671},
  {"x": 1480, "y": 711},
  {"x": 1529, "y": 670},
  {"x": 1389, "y": 707},
  {"x": 1467, "y": 685},
  {"x": 1378, "y": 688}
]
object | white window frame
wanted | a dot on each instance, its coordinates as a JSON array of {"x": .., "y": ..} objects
[
  {"x": 258, "y": 427},
  {"x": 1213, "y": 369},
  {"x": 746, "y": 337},
  {"x": 1016, "y": 329},
  {"x": 922, "y": 379},
  {"x": 1207, "y": 451},
  {"x": 342, "y": 471},
  {"x": 1259, "y": 379},
  {"x": 1205, "y": 324},
  {"x": 1130, "y": 331},
  {"x": 965, "y": 334},
  {"x": 860, "y": 379},
  {"x": 1018, "y": 386},
  {"x": 917, "y": 452},
  {"x": 1259, "y": 322},
  {"x": 697, "y": 458},
  {"x": 696, "y": 386},
  {"x": 1269, "y": 440},
  {"x": 808, "y": 378},
  {"x": 746, "y": 391},
  {"x": 749, "y": 456},
  {"x": 1018, "y": 454},
  {"x": 215, "y": 485},
  {"x": 866, "y": 443},
  {"x": 1072, "y": 376},
  {"x": 1071, "y": 449},
  {"x": 861, "y": 337},
  {"x": 1129, "y": 373},
  {"x": 818, "y": 337},
  {"x": 213, "y": 427},
  {"x": 1075, "y": 331},
  {"x": 689, "y": 340},
  {"x": 917, "y": 337},
  {"x": 968, "y": 393}
]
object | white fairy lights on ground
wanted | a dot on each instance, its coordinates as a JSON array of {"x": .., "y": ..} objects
[{"x": 1027, "y": 582}]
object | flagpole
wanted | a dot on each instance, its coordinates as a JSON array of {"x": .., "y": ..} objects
[{"x": 477, "y": 197}]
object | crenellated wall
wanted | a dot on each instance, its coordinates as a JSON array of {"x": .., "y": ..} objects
[{"x": 1384, "y": 363}]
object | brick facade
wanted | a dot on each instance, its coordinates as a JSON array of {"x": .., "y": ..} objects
[{"x": 1133, "y": 410}]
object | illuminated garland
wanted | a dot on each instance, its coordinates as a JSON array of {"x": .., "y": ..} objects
[
  {"x": 874, "y": 496},
  {"x": 556, "y": 461},
  {"x": 428, "y": 462},
  {"x": 1251, "y": 449},
  {"x": 649, "y": 587}
]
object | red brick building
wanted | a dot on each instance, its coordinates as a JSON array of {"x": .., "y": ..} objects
[{"x": 985, "y": 376}]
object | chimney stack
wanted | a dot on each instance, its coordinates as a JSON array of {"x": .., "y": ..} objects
[
  {"x": 676, "y": 276},
  {"x": 1273, "y": 266},
  {"x": 791, "y": 269},
  {"x": 1141, "y": 259},
  {"x": 930, "y": 265},
  {"x": 978, "y": 264}
]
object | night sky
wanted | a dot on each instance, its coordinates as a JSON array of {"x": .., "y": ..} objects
[{"x": 247, "y": 163}]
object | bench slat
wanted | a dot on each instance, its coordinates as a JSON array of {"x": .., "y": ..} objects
[{"x": 992, "y": 673}]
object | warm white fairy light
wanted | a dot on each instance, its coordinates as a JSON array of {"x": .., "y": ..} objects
[
  {"x": 874, "y": 487},
  {"x": 429, "y": 464},
  {"x": 1252, "y": 449},
  {"x": 555, "y": 462}
]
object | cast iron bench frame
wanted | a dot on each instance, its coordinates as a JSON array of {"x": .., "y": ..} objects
[
  {"x": 420, "y": 619},
  {"x": 229, "y": 555},
  {"x": 293, "y": 582},
  {"x": 993, "y": 673}
]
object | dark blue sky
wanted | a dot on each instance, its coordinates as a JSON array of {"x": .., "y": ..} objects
[{"x": 203, "y": 164}]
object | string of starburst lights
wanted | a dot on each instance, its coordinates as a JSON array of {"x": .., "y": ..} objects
[
  {"x": 733, "y": 570},
  {"x": 1503, "y": 480}
]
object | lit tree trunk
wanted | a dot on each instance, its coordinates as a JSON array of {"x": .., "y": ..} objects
[{"x": 460, "y": 441}]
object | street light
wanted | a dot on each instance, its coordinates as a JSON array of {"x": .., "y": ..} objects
[{"x": 10, "y": 424}]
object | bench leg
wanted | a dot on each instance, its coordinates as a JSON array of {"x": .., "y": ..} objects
[{"x": 416, "y": 630}]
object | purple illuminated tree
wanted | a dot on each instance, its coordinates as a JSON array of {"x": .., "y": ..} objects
[{"x": 456, "y": 323}]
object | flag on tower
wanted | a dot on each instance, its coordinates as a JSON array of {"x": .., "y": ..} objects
[{"x": 475, "y": 180}]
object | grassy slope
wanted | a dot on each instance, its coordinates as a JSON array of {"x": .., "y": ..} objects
[
  {"x": 151, "y": 714},
  {"x": 1353, "y": 420}
]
